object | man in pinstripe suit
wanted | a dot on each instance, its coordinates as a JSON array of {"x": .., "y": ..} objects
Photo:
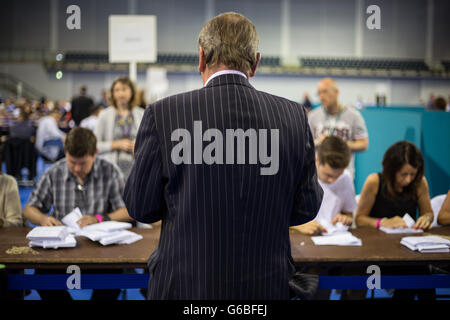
[{"x": 225, "y": 204}]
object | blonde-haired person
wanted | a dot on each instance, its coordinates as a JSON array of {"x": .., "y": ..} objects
[
  {"x": 10, "y": 207},
  {"x": 118, "y": 124}
]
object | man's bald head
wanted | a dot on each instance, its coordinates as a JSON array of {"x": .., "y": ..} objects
[{"x": 328, "y": 93}]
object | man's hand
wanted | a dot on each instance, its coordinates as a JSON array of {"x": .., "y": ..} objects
[
  {"x": 342, "y": 218},
  {"x": 395, "y": 222},
  {"x": 123, "y": 144},
  {"x": 49, "y": 221},
  {"x": 87, "y": 220},
  {"x": 311, "y": 228}
]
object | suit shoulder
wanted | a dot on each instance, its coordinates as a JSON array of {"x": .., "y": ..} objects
[{"x": 167, "y": 101}]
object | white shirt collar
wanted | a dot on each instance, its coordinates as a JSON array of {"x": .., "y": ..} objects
[{"x": 219, "y": 73}]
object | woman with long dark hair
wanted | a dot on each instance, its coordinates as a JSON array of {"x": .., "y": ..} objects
[
  {"x": 399, "y": 189},
  {"x": 387, "y": 196}
]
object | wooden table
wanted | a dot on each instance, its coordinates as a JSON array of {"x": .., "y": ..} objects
[
  {"x": 87, "y": 253},
  {"x": 378, "y": 248}
]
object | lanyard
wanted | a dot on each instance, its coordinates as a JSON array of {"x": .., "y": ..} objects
[
  {"x": 125, "y": 125},
  {"x": 337, "y": 119}
]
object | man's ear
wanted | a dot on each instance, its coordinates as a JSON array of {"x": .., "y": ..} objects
[
  {"x": 201, "y": 60},
  {"x": 253, "y": 71}
]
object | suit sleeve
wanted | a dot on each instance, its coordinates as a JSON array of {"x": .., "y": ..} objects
[
  {"x": 144, "y": 190},
  {"x": 309, "y": 193}
]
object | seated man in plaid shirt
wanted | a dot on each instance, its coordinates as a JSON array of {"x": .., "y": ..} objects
[{"x": 80, "y": 180}]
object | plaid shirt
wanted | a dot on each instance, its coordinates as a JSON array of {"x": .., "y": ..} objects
[{"x": 101, "y": 192}]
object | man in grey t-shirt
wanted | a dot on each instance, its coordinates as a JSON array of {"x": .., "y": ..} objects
[{"x": 333, "y": 119}]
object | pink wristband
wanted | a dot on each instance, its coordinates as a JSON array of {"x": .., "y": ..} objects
[
  {"x": 378, "y": 223},
  {"x": 99, "y": 218}
]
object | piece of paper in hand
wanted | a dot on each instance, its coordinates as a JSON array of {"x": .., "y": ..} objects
[
  {"x": 71, "y": 219},
  {"x": 333, "y": 229},
  {"x": 408, "y": 220}
]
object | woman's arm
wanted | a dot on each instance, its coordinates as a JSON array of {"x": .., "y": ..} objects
[
  {"x": 426, "y": 212},
  {"x": 366, "y": 202},
  {"x": 444, "y": 213},
  {"x": 13, "y": 208}
]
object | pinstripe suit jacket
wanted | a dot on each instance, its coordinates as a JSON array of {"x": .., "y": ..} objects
[{"x": 225, "y": 227}]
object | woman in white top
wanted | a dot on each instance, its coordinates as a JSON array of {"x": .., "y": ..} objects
[{"x": 118, "y": 124}]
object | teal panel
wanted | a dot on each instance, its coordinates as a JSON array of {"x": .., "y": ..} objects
[
  {"x": 436, "y": 149},
  {"x": 385, "y": 127}
]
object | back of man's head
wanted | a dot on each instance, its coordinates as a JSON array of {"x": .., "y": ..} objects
[
  {"x": 335, "y": 152},
  {"x": 81, "y": 142},
  {"x": 83, "y": 90},
  {"x": 229, "y": 39}
]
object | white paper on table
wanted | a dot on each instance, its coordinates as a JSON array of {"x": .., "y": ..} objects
[
  {"x": 68, "y": 242},
  {"x": 47, "y": 233},
  {"x": 93, "y": 235},
  {"x": 400, "y": 230},
  {"x": 426, "y": 240},
  {"x": 71, "y": 219},
  {"x": 120, "y": 237},
  {"x": 108, "y": 226},
  {"x": 426, "y": 244},
  {"x": 339, "y": 239},
  {"x": 433, "y": 248}
]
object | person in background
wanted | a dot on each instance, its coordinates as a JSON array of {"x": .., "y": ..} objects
[
  {"x": 440, "y": 104},
  {"x": 334, "y": 119},
  {"x": 104, "y": 99},
  {"x": 332, "y": 157},
  {"x": 81, "y": 106},
  {"x": 80, "y": 180},
  {"x": 10, "y": 207},
  {"x": 306, "y": 102},
  {"x": 118, "y": 124},
  {"x": 91, "y": 121},
  {"x": 386, "y": 197},
  {"x": 23, "y": 128},
  {"x": 430, "y": 102},
  {"x": 338, "y": 204},
  {"x": 49, "y": 138},
  {"x": 444, "y": 212}
]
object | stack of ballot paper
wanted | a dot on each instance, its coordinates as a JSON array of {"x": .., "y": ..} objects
[
  {"x": 108, "y": 232},
  {"x": 337, "y": 239},
  {"x": 51, "y": 237},
  {"x": 426, "y": 244},
  {"x": 409, "y": 222}
]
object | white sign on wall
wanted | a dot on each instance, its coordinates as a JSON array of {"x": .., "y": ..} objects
[{"x": 132, "y": 38}]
